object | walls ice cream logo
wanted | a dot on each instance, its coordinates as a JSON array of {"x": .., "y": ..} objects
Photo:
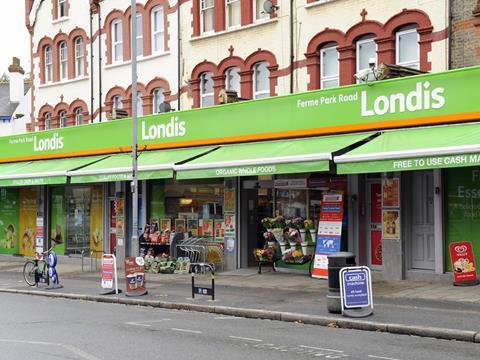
[
  {"x": 174, "y": 128},
  {"x": 55, "y": 142},
  {"x": 460, "y": 249},
  {"x": 422, "y": 98}
]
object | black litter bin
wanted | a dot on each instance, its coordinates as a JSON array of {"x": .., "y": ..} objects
[{"x": 336, "y": 262}]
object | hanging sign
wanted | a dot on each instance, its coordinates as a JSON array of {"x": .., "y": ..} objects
[
  {"x": 356, "y": 291},
  {"x": 329, "y": 233},
  {"x": 109, "y": 274},
  {"x": 463, "y": 264}
]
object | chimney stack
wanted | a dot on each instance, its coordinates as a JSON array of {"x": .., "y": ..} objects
[{"x": 17, "y": 86}]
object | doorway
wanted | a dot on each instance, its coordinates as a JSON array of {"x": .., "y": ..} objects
[
  {"x": 374, "y": 218},
  {"x": 422, "y": 236}
]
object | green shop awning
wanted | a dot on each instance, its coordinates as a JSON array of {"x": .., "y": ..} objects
[
  {"x": 151, "y": 165},
  {"x": 415, "y": 149},
  {"x": 266, "y": 158},
  {"x": 42, "y": 172}
]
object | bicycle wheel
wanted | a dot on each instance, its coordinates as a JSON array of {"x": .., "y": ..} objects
[{"x": 29, "y": 270}]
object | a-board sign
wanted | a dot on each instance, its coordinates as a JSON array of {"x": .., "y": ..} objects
[
  {"x": 463, "y": 264},
  {"x": 109, "y": 274},
  {"x": 135, "y": 276},
  {"x": 329, "y": 233},
  {"x": 356, "y": 291}
]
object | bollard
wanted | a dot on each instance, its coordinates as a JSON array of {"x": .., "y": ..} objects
[{"x": 336, "y": 261}]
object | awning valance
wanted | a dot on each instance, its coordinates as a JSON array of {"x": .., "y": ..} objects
[
  {"x": 415, "y": 149},
  {"x": 266, "y": 158}
]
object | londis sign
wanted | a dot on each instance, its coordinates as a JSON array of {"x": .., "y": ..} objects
[{"x": 436, "y": 98}]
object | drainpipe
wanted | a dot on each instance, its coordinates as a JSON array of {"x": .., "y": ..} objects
[
  {"x": 99, "y": 63},
  {"x": 179, "y": 56},
  {"x": 91, "y": 65},
  {"x": 292, "y": 55},
  {"x": 450, "y": 20}
]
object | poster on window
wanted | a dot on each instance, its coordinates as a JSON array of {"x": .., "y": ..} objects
[
  {"x": 28, "y": 221},
  {"x": 391, "y": 193},
  {"x": 229, "y": 199},
  {"x": 391, "y": 224},
  {"x": 218, "y": 226},
  {"x": 96, "y": 222}
]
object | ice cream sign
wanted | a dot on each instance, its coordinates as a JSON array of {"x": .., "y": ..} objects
[{"x": 463, "y": 264}]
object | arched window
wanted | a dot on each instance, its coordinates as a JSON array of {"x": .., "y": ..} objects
[
  {"x": 63, "y": 60},
  {"x": 48, "y": 63},
  {"x": 117, "y": 102},
  {"x": 158, "y": 98},
  {"x": 79, "y": 56},
  {"x": 117, "y": 41},
  {"x": 207, "y": 12},
  {"x": 232, "y": 79},
  {"x": 139, "y": 104},
  {"x": 158, "y": 30},
  {"x": 78, "y": 116},
  {"x": 48, "y": 121},
  {"x": 366, "y": 52},
  {"x": 407, "y": 47},
  {"x": 234, "y": 13},
  {"x": 329, "y": 66},
  {"x": 139, "y": 38},
  {"x": 62, "y": 8},
  {"x": 63, "y": 118},
  {"x": 206, "y": 89},
  {"x": 261, "y": 81}
]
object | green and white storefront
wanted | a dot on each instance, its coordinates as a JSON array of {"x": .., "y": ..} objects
[{"x": 275, "y": 156}]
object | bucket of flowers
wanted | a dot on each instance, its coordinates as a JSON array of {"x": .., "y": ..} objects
[
  {"x": 293, "y": 237},
  {"x": 267, "y": 223},
  {"x": 293, "y": 256},
  {"x": 278, "y": 226},
  {"x": 269, "y": 238}
]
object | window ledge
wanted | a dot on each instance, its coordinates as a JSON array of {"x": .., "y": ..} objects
[
  {"x": 233, "y": 30},
  {"x": 139, "y": 59},
  {"x": 60, "y": 20},
  {"x": 63, "y": 82},
  {"x": 318, "y": 3}
]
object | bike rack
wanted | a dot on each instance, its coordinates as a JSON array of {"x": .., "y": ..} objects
[{"x": 202, "y": 268}]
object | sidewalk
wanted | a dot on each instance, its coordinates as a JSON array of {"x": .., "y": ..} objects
[{"x": 424, "y": 309}]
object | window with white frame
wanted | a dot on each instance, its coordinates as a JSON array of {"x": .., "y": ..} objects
[
  {"x": 79, "y": 56},
  {"x": 207, "y": 15},
  {"x": 139, "y": 35},
  {"x": 206, "y": 89},
  {"x": 366, "y": 51},
  {"x": 139, "y": 104},
  {"x": 408, "y": 48},
  {"x": 62, "y": 8},
  {"x": 261, "y": 81},
  {"x": 158, "y": 30},
  {"x": 329, "y": 66},
  {"x": 234, "y": 13},
  {"x": 158, "y": 98},
  {"x": 117, "y": 102},
  {"x": 232, "y": 80},
  {"x": 48, "y": 64},
  {"x": 63, "y": 118},
  {"x": 78, "y": 116},
  {"x": 258, "y": 9},
  {"x": 48, "y": 121},
  {"x": 117, "y": 41},
  {"x": 63, "y": 60}
]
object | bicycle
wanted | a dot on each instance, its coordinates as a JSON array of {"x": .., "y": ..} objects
[{"x": 37, "y": 270}]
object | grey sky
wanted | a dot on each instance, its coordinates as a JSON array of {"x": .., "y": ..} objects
[{"x": 14, "y": 39}]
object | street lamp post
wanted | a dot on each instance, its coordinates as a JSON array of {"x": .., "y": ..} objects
[{"x": 134, "y": 185}]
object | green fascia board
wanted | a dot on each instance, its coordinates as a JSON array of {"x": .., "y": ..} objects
[
  {"x": 266, "y": 158},
  {"x": 151, "y": 165},
  {"x": 43, "y": 172},
  {"x": 415, "y": 149}
]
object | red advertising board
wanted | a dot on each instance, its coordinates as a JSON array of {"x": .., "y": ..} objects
[
  {"x": 108, "y": 268},
  {"x": 135, "y": 276},
  {"x": 463, "y": 263}
]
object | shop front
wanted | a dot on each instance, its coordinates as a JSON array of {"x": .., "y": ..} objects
[{"x": 215, "y": 181}]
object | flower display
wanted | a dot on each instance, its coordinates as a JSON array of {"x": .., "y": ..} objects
[
  {"x": 268, "y": 235},
  {"x": 267, "y": 223},
  {"x": 298, "y": 223},
  {"x": 279, "y": 222},
  {"x": 309, "y": 224}
]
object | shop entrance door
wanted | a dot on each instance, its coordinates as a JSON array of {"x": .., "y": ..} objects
[
  {"x": 112, "y": 227},
  {"x": 422, "y": 220},
  {"x": 374, "y": 229}
]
